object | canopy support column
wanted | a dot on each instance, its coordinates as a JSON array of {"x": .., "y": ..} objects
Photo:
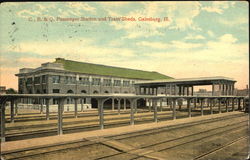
[
  {"x": 189, "y": 108},
  {"x": 47, "y": 108},
  {"x": 60, "y": 116},
  {"x": 12, "y": 110},
  {"x": 75, "y": 110},
  {"x": 3, "y": 122},
  {"x": 174, "y": 108}
]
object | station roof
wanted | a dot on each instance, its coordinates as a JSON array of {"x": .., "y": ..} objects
[
  {"x": 188, "y": 81},
  {"x": 4, "y": 97},
  {"x": 97, "y": 69}
]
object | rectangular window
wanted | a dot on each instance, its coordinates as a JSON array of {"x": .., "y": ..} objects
[
  {"x": 117, "y": 82},
  {"x": 106, "y": 82},
  {"x": 37, "y": 80},
  {"x": 55, "y": 79},
  {"x": 73, "y": 80},
  {"x": 29, "y": 80},
  {"x": 126, "y": 83},
  {"x": 66, "y": 80},
  {"x": 70, "y": 80},
  {"x": 56, "y": 91},
  {"x": 96, "y": 81},
  {"x": 43, "y": 78},
  {"x": 84, "y": 80},
  {"x": 20, "y": 81}
]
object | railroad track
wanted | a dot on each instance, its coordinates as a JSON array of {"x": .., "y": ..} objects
[
  {"x": 53, "y": 131},
  {"x": 219, "y": 148},
  {"x": 90, "y": 115},
  {"x": 78, "y": 121},
  {"x": 66, "y": 116},
  {"x": 152, "y": 148},
  {"x": 71, "y": 145}
]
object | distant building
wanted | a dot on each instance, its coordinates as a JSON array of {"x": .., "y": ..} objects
[
  {"x": 242, "y": 92},
  {"x": 2, "y": 90},
  {"x": 203, "y": 92}
]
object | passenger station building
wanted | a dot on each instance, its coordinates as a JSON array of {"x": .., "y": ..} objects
[{"x": 71, "y": 77}]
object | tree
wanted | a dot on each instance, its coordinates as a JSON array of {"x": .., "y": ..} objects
[{"x": 11, "y": 91}]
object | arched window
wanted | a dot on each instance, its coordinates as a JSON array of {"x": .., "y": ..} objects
[
  {"x": 106, "y": 92},
  {"x": 83, "y": 91},
  {"x": 70, "y": 91},
  {"x": 95, "y": 92},
  {"x": 116, "y": 92}
]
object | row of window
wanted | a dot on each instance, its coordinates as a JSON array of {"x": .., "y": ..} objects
[
  {"x": 95, "y": 81},
  {"x": 83, "y": 91},
  {"x": 72, "y": 80},
  {"x": 37, "y": 80}
]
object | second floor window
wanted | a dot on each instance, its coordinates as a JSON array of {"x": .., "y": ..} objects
[
  {"x": 43, "y": 79},
  {"x": 55, "y": 79},
  {"x": 125, "y": 83},
  {"x": 117, "y": 82},
  {"x": 29, "y": 80},
  {"x": 37, "y": 80},
  {"x": 106, "y": 82},
  {"x": 84, "y": 80},
  {"x": 70, "y": 80},
  {"x": 96, "y": 81},
  {"x": 20, "y": 81}
]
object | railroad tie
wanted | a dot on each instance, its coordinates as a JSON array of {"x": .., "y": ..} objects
[{"x": 127, "y": 148}]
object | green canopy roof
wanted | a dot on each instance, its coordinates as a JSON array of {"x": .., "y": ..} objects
[{"x": 98, "y": 69}]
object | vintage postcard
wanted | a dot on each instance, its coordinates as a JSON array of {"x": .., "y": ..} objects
[{"x": 124, "y": 80}]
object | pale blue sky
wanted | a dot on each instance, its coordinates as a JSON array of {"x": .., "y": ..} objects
[{"x": 200, "y": 39}]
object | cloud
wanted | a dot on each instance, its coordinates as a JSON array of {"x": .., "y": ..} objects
[
  {"x": 228, "y": 38},
  {"x": 84, "y": 49},
  {"x": 222, "y": 57},
  {"x": 184, "y": 14},
  {"x": 24, "y": 10},
  {"x": 158, "y": 45},
  {"x": 27, "y": 13},
  {"x": 210, "y": 33},
  {"x": 218, "y": 7},
  {"x": 77, "y": 7},
  {"x": 170, "y": 45},
  {"x": 65, "y": 9},
  {"x": 180, "y": 16},
  {"x": 234, "y": 21},
  {"x": 195, "y": 37},
  {"x": 43, "y": 7}
]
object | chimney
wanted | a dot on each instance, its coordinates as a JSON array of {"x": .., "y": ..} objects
[{"x": 58, "y": 59}]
